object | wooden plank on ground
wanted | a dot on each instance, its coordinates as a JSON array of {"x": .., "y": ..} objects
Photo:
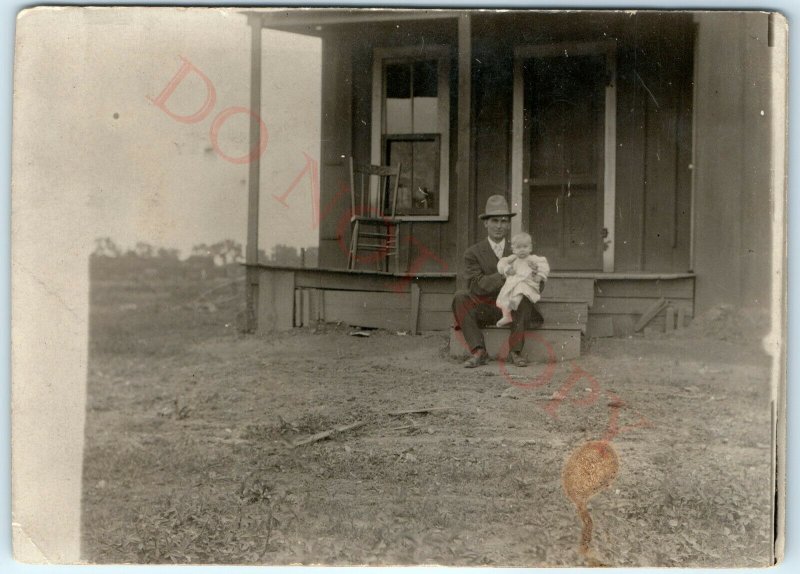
[
  {"x": 275, "y": 301},
  {"x": 325, "y": 434},
  {"x": 422, "y": 410},
  {"x": 649, "y": 313}
]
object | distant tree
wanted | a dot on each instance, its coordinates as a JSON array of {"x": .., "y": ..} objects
[
  {"x": 226, "y": 252},
  {"x": 201, "y": 250},
  {"x": 170, "y": 254},
  {"x": 144, "y": 250},
  {"x": 105, "y": 247},
  {"x": 312, "y": 256},
  {"x": 285, "y": 255}
]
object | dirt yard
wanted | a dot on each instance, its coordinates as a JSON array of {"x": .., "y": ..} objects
[{"x": 192, "y": 456}]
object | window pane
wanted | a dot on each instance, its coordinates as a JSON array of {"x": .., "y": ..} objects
[
  {"x": 418, "y": 189},
  {"x": 426, "y": 79},
  {"x": 398, "y": 99},
  {"x": 424, "y": 188},
  {"x": 398, "y": 80},
  {"x": 398, "y": 116},
  {"x": 426, "y": 115}
]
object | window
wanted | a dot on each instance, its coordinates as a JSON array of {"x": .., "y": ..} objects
[
  {"x": 411, "y": 123},
  {"x": 418, "y": 191}
]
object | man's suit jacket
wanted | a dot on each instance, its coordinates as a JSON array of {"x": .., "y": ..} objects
[{"x": 480, "y": 269}]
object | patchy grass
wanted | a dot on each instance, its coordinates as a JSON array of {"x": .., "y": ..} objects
[{"x": 190, "y": 431}]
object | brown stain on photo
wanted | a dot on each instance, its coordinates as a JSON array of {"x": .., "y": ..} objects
[{"x": 590, "y": 468}]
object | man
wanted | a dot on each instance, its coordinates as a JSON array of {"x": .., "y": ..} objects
[{"x": 475, "y": 307}]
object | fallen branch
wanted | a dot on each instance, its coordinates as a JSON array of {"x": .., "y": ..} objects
[
  {"x": 418, "y": 411},
  {"x": 340, "y": 429},
  {"x": 325, "y": 434}
]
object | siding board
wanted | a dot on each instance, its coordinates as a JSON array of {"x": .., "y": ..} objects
[
  {"x": 679, "y": 288},
  {"x": 634, "y": 305}
]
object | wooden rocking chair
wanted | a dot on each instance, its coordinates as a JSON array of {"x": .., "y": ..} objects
[{"x": 374, "y": 226}]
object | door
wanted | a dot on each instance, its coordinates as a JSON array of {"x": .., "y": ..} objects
[{"x": 563, "y": 156}]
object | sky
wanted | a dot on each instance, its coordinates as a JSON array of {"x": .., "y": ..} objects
[{"x": 150, "y": 177}]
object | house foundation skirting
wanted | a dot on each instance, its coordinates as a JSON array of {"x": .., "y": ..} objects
[{"x": 593, "y": 304}]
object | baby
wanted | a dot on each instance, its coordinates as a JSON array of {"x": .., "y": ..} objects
[{"x": 523, "y": 272}]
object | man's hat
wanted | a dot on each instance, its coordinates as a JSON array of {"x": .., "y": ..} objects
[{"x": 496, "y": 206}]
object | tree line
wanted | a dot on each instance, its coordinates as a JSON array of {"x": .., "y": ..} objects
[{"x": 219, "y": 254}]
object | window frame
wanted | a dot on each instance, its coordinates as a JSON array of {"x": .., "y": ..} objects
[{"x": 383, "y": 56}]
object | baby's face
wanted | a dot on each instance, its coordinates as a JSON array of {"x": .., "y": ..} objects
[{"x": 522, "y": 249}]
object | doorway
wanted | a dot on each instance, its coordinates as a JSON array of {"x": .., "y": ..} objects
[{"x": 564, "y": 151}]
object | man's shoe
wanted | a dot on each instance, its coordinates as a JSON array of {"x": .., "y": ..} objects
[
  {"x": 476, "y": 360},
  {"x": 517, "y": 359}
]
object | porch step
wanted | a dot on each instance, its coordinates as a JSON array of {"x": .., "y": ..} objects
[
  {"x": 564, "y": 313},
  {"x": 540, "y": 345}
]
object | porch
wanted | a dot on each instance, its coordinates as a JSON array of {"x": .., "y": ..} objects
[
  {"x": 644, "y": 220},
  {"x": 593, "y": 304}
]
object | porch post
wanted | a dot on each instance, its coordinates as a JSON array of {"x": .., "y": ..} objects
[
  {"x": 518, "y": 202},
  {"x": 610, "y": 151},
  {"x": 463, "y": 188},
  {"x": 251, "y": 248}
]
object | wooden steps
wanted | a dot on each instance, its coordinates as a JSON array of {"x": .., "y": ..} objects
[
  {"x": 541, "y": 346},
  {"x": 564, "y": 313}
]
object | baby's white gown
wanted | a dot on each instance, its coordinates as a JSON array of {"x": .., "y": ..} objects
[{"x": 523, "y": 283}]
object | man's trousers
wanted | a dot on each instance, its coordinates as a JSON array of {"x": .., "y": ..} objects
[{"x": 472, "y": 312}]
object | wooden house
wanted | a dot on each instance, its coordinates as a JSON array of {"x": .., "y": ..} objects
[{"x": 637, "y": 148}]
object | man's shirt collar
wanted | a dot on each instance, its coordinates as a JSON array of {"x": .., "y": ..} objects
[{"x": 497, "y": 246}]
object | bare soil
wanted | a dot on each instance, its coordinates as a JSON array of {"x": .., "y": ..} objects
[{"x": 191, "y": 430}]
